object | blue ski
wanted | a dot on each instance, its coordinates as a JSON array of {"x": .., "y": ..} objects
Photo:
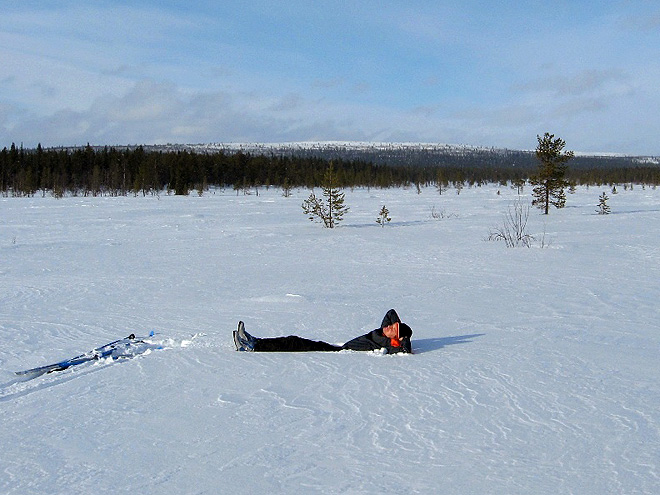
[{"x": 112, "y": 349}]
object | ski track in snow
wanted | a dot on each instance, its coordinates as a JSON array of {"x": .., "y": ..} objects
[{"x": 517, "y": 385}]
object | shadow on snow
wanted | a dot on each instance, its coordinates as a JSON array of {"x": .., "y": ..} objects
[{"x": 427, "y": 345}]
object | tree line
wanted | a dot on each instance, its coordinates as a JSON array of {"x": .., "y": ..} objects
[{"x": 136, "y": 170}]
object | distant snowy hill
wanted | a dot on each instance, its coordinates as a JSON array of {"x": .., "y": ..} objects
[
  {"x": 324, "y": 146},
  {"x": 413, "y": 154},
  {"x": 379, "y": 153}
]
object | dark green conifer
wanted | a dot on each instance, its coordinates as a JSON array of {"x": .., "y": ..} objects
[
  {"x": 603, "y": 207},
  {"x": 549, "y": 182},
  {"x": 331, "y": 210},
  {"x": 383, "y": 216}
]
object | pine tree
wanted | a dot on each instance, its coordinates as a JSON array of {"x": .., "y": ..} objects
[
  {"x": 519, "y": 184},
  {"x": 383, "y": 216},
  {"x": 549, "y": 181},
  {"x": 286, "y": 188},
  {"x": 439, "y": 181},
  {"x": 331, "y": 210},
  {"x": 603, "y": 207}
]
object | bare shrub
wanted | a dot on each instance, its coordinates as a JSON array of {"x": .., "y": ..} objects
[
  {"x": 513, "y": 230},
  {"x": 441, "y": 214}
]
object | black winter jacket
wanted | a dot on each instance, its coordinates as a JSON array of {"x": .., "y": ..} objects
[{"x": 376, "y": 340}]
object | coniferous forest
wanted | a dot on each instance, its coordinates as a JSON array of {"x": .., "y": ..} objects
[{"x": 111, "y": 171}]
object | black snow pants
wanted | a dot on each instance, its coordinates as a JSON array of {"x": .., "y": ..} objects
[{"x": 292, "y": 343}]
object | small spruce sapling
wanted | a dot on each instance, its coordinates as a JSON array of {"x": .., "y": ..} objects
[
  {"x": 331, "y": 210},
  {"x": 603, "y": 207},
  {"x": 383, "y": 216}
]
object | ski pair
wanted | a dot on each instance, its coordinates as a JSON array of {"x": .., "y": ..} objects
[{"x": 106, "y": 350}]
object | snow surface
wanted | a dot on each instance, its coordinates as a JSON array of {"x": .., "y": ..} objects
[{"x": 535, "y": 370}]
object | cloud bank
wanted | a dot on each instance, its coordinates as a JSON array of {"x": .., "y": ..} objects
[{"x": 111, "y": 73}]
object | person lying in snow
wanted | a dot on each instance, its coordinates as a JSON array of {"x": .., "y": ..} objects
[{"x": 393, "y": 336}]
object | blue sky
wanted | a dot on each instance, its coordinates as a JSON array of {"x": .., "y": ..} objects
[{"x": 476, "y": 72}]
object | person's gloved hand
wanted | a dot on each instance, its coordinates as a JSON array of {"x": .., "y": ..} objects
[{"x": 406, "y": 345}]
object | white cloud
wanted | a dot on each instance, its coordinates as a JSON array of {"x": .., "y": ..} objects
[
  {"x": 160, "y": 113},
  {"x": 46, "y": 84},
  {"x": 582, "y": 82},
  {"x": 152, "y": 112}
]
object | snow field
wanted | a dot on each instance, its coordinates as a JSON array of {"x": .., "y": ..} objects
[{"x": 535, "y": 370}]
